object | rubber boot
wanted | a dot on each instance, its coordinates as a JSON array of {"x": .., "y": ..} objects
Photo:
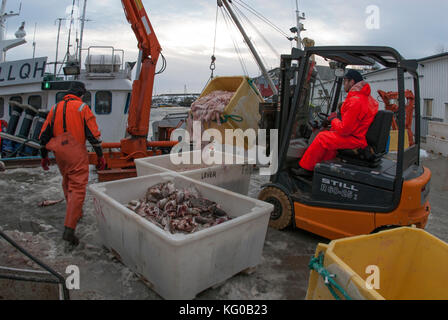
[
  {"x": 302, "y": 172},
  {"x": 69, "y": 235}
]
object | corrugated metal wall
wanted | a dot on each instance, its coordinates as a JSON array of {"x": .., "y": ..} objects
[{"x": 433, "y": 85}]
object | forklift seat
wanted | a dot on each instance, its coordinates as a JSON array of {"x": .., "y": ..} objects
[{"x": 377, "y": 137}]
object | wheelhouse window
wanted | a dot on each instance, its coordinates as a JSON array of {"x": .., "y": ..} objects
[
  {"x": 35, "y": 101},
  {"x": 16, "y": 99},
  {"x": 87, "y": 98},
  {"x": 2, "y": 107},
  {"x": 103, "y": 102},
  {"x": 60, "y": 96}
]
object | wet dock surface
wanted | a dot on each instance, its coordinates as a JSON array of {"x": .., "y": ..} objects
[{"x": 283, "y": 273}]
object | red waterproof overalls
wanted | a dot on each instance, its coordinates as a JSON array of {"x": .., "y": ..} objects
[
  {"x": 3, "y": 124},
  {"x": 357, "y": 113},
  {"x": 68, "y": 145}
]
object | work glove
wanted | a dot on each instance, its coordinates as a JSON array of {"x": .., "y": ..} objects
[
  {"x": 45, "y": 162},
  {"x": 326, "y": 123},
  {"x": 101, "y": 165},
  {"x": 332, "y": 116}
]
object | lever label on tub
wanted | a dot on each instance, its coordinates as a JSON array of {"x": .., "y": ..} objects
[{"x": 208, "y": 175}]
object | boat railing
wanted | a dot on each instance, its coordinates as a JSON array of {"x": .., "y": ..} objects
[
  {"x": 48, "y": 276},
  {"x": 106, "y": 66}
]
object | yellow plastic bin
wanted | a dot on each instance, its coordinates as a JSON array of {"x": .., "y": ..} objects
[
  {"x": 243, "y": 107},
  {"x": 393, "y": 144},
  {"x": 399, "y": 264}
]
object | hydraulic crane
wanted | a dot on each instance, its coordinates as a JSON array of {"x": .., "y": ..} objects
[
  {"x": 135, "y": 145},
  {"x": 391, "y": 95}
]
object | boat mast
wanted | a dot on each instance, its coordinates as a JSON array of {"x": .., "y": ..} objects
[
  {"x": 83, "y": 19},
  {"x": 34, "y": 40},
  {"x": 250, "y": 45},
  {"x": 3, "y": 20},
  {"x": 300, "y": 26},
  {"x": 67, "y": 55},
  {"x": 5, "y": 45},
  {"x": 57, "y": 47}
]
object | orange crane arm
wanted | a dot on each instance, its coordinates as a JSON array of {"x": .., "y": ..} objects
[
  {"x": 409, "y": 109},
  {"x": 141, "y": 96}
]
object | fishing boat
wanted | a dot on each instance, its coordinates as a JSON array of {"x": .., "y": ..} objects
[{"x": 30, "y": 87}]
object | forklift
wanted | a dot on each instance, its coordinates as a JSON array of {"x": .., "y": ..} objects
[{"x": 362, "y": 191}]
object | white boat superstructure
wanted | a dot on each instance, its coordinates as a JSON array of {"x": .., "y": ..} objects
[{"x": 30, "y": 87}]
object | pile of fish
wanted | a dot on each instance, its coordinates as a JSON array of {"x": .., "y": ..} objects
[
  {"x": 178, "y": 210},
  {"x": 209, "y": 108}
]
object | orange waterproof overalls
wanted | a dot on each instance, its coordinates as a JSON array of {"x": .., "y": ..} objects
[{"x": 68, "y": 144}]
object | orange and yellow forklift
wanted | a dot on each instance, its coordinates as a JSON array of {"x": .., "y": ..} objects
[{"x": 363, "y": 190}]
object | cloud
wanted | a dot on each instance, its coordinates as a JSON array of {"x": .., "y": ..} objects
[{"x": 185, "y": 30}]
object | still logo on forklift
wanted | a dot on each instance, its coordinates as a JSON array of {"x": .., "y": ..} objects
[{"x": 339, "y": 184}]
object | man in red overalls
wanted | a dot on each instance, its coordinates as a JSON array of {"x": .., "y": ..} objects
[
  {"x": 357, "y": 113},
  {"x": 69, "y": 123},
  {"x": 3, "y": 125}
]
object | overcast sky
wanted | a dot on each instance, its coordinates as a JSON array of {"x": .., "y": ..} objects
[{"x": 185, "y": 29}]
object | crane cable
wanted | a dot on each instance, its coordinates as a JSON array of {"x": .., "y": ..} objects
[
  {"x": 258, "y": 32},
  {"x": 237, "y": 50},
  {"x": 242, "y": 18},
  {"x": 238, "y": 13},
  {"x": 213, "y": 58},
  {"x": 263, "y": 18}
]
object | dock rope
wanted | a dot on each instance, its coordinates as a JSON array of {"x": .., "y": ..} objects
[{"x": 317, "y": 265}]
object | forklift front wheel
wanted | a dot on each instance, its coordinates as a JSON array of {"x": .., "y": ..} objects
[{"x": 281, "y": 217}]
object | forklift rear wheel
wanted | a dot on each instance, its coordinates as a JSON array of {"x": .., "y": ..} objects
[{"x": 281, "y": 217}]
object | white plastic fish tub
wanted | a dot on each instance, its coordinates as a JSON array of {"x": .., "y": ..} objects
[
  {"x": 179, "y": 266},
  {"x": 234, "y": 177}
]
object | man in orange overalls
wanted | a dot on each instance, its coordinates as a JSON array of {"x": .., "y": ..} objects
[{"x": 69, "y": 123}]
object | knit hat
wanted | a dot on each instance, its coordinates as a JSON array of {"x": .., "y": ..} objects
[
  {"x": 77, "y": 88},
  {"x": 354, "y": 75}
]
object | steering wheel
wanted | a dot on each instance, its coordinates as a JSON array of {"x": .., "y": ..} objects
[{"x": 322, "y": 116}]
